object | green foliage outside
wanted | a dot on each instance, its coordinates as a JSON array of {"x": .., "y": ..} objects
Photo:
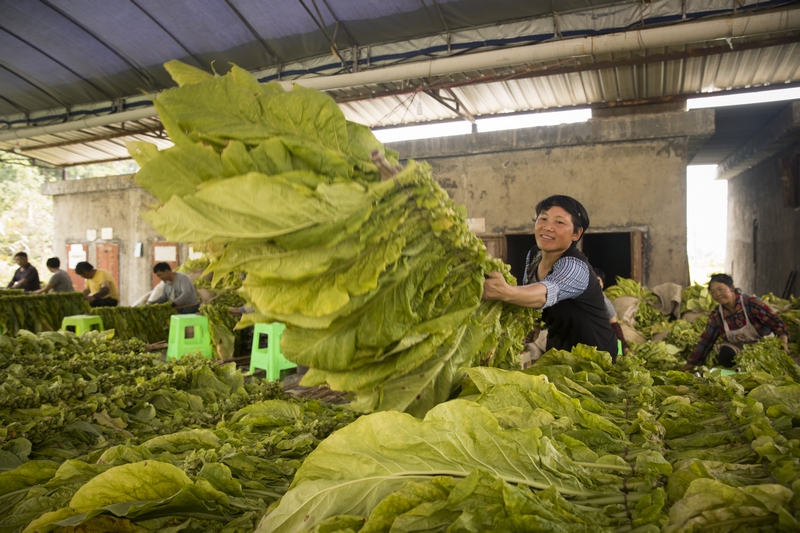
[
  {"x": 26, "y": 216},
  {"x": 99, "y": 170}
]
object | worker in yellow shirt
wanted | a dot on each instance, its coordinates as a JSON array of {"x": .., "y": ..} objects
[{"x": 101, "y": 289}]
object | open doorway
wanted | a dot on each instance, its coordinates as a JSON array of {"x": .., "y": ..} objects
[
  {"x": 618, "y": 254},
  {"x": 517, "y": 248}
]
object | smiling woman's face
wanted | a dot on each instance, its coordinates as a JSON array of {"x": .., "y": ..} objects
[
  {"x": 555, "y": 231},
  {"x": 722, "y": 294}
]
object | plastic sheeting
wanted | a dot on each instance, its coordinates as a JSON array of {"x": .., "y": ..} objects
[{"x": 60, "y": 54}]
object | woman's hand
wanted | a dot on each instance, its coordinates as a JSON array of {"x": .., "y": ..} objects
[
  {"x": 495, "y": 286},
  {"x": 533, "y": 335},
  {"x": 785, "y": 340},
  {"x": 688, "y": 367}
]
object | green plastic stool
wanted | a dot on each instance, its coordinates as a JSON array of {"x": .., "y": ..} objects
[
  {"x": 79, "y": 324},
  {"x": 266, "y": 353},
  {"x": 188, "y": 334}
]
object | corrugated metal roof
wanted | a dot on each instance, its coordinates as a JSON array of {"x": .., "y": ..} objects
[
  {"x": 677, "y": 78},
  {"x": 98, "y": 144},
  {"x": 49, "y": 58},
  {"x": 680, "y": 77}
]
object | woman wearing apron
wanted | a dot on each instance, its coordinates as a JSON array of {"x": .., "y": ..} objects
[{"x": 741, "y": 319}]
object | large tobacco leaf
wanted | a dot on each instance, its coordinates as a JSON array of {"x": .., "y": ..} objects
[
  {"x": 377, "y": 280},
  {"x": 356, "y": 468}
]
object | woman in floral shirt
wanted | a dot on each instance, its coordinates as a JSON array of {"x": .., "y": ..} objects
[{"x": 740, "y": 319}]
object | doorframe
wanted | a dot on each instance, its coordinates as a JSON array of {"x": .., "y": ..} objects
[
  {"x": 638, "y": 236},
  {"x": 500, "y": 240}
]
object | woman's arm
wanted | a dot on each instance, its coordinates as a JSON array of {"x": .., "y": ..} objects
[
  {"x": 763, "y": 314},
  {"x": 568, "y": 279},
  {"x": 496, "y": 288},
  {"x": 706, "y": 342}
]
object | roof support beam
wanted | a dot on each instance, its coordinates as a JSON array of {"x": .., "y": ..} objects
[
  {"x": 526, "y": 73},
  {"x": 171, "y": 36},
  {"x": 34, "y": 85},
  {"x": 93, "y": 122},
  {"x": 110, "y": 160},
  {"x": 628, "y": 41},
  {"x": 452, "y": 103},
  {"x": 775, "y": 136},
  {"x": 321, "y": 25},
  {"x": 350, "y": 37},
  {"x": 117, "y": 134}
]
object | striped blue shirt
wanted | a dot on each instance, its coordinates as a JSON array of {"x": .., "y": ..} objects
[{"x": 568, "y": 278}]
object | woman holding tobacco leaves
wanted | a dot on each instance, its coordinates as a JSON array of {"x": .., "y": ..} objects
[
  {"x": 741, "y": 319},
  {"x": 559, "y": 280}
]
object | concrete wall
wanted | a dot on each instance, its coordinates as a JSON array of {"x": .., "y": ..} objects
[
  {"x": 111, "y": 202},
  {"x": 757, "y": 194},
  {"x": 629, "y": 172}
]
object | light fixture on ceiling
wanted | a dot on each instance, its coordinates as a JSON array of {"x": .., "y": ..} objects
[
  {"x": 423, "y": 131},
  {"x": 532, "y": 120},
  {"x": 759, "y": 97},
  {"x": 495, "y": 123}
]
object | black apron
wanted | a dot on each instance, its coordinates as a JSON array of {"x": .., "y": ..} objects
[{"x": 579, "y": 320}]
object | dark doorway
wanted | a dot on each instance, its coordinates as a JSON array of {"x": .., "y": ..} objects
[
  {"x": 517, "y": 247},
  {"x": 610, "y": 252}
]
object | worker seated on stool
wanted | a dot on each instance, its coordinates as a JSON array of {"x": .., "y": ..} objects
[
  {"x": 59, "y": 282},
  {"x": 178, "y": 289},
  {"x": 740, "y": 319},
  {"x": 101, "y": 289},
  {"x": 26, "y": 277}
]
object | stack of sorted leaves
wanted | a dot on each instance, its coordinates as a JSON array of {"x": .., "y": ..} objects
[
  {"x": 98, "y": 435},
  {"x": 225, "y": 339},
  {"x": 768, "y": 355},
  {"x": 148, "y": 323},
  {"x": 660, "y": 355},
  {"x": 735, "y": 458},
  {"x": 39, "y": 312},
  {"x": 789, "y": 312},
  {"x": 378, "y": 282},
  {"x": 684, "y": 335},
  {"x": 647, "y": 320},
  {"x": 629, "y": 287},
  {"x": 696, "y": 299}
]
